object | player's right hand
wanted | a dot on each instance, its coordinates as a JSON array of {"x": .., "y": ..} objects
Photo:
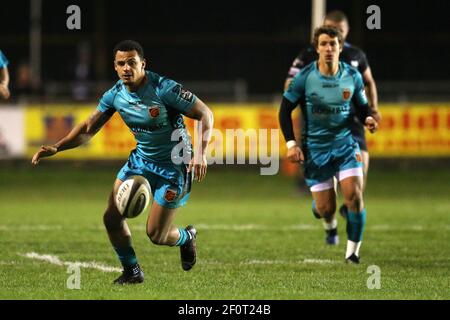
[
  {"x": 295, "y": 154},
  {"x": 198, "y": 166},
  {"x": 376, "y": 114},
  {"x": 44, "y": 151},
  {"x": 371, "y": 124}
]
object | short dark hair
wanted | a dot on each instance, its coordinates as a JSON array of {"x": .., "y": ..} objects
[
  {"x": 336, "y": 16},
  {"x": 129, "y": 45},
  {"x": 329, "y": 30}
]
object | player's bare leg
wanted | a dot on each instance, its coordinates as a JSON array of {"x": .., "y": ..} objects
[
  {"x": 161, "y": 231},
  {"x": 324, "y": 206},
  {"x": 343, "y": 210},
  {"x": 351, "y": 189},
  {"x": 120, "y": 237},
  {"x": 365, "y": 159}
]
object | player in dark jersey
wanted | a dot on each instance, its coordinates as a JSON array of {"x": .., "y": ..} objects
[{"x": 357, "y": 59}]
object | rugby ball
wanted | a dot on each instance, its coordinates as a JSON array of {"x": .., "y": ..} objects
[{"x": 133, "y": 196}]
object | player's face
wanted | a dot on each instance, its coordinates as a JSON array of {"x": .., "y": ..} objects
[
  {"x": 341, "y": 26},
  {"x": 129, "y": 67},
  {"x": 328, "y": 48}
]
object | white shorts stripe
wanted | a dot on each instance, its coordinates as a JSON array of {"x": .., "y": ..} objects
[
  {"x": 329, "y": 184},
  {"x": 353, "y": 172},
  {"x": 341, "y": 175}
]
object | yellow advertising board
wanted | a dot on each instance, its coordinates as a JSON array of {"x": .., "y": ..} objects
[
  {"x": 416, "y": 130},
  {"x": 48, "y": 123}
]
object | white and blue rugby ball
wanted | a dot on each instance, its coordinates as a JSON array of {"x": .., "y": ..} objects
[{"x": 133, "y": 196}]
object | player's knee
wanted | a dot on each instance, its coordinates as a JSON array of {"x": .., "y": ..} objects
[
  {"x": 156, "y": 237},
  {"x": 354, "y": 201},
  {"x": 111, "y": 221},
  {"x": 326, "y": 209}
]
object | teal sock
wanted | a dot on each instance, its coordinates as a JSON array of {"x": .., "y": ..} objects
[
  {"x": 355, "y": 225},
  {"x": 127, "y": 256},
  {"x": 184, "y": 237}
]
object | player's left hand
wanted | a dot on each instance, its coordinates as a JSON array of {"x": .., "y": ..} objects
[
  {"x": 371, "y": 124},
  {"x": 198, "y": 164}
]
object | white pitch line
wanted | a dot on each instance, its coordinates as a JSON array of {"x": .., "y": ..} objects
[
  {"x": 56, "y": 261},
  {"x": 312, "y": 261},
  {"x": 319, "y": 261},
  {"x": 37, "y": 227}
]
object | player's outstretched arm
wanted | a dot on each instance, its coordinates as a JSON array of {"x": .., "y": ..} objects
[
  {"x": 372, "y": 94},
  {"x": 203, "y": 114},
  {"x": 4, "y": 82},
  {"x": 80, "y": 134}
]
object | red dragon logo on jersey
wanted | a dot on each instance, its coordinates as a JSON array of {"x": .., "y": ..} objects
[
  {"x": 153, "y": 111},
  {"x": 346, "y": 94},
  {"x": 170, "y": 195}
]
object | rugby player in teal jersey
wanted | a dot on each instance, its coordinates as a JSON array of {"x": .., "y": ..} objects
[
  {"x": 152, "y": 107},
  {"x": 325, "y": 89},
  {"x": 4, "y": 77},
  {"x": 356, "y": 58}
]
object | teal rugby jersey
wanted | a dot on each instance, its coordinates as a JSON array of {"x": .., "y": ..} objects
[
  {"x": 152, "y": 113},
  {"x": 325, "y": 103},
  {"x": 3, "y": 61}
]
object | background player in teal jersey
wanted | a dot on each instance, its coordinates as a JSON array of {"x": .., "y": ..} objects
[
  {"x": 152, "y": 107},
  {"x": 324, "y": 90},
  {"x": 4, "y": 77},
  {"x": 356, "y": 58}
]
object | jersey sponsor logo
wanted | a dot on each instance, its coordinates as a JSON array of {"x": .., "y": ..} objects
[
  {"x": 170, "y": 195},
  {"x": 183, "y": 93},
  {"x": 329, "y": 110},
  {"x": 186, "y": 95},
  {"x": 146, "y": 129},
  {"x": 354, "y": 63},
  {"x": 153, "y": 111},
  {"x": 346, "y": 93}
]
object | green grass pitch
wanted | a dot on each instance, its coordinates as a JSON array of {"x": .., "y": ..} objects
[{"x": 257, "y": 238}]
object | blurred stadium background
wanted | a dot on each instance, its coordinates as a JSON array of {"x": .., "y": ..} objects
[{"x": 235, "y": 57}]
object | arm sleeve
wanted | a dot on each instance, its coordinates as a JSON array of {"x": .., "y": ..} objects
[
  {"x": 359, "y": 99},
  {"x": 174, "y": 95},
  {"x": 105, "y": 104},
  {"x": 285, "y": 119}
]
